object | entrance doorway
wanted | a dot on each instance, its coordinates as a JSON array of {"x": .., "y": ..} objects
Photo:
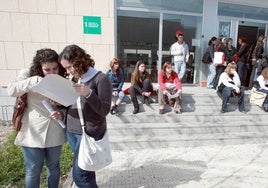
[{"x": 250, "y": 32}]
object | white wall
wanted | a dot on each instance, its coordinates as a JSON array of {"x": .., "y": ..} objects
[{"x": 28, "y": 25}]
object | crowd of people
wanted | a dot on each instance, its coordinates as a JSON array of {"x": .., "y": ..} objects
[
  {"x": 41, "y": 137},
  {"x": 240, "y": 68}
]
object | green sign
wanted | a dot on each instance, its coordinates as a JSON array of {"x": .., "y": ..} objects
[{"x": 92, "y": 24}]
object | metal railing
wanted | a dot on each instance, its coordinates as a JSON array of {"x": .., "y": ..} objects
[{"x": 6, "y": 112}]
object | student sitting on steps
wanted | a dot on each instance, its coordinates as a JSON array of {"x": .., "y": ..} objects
[{"x": 169, "y": 88}]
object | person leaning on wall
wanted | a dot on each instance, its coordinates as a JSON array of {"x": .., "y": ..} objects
[
  {"x": 95, "y": 91},
  {"x": 40, "y": 136},
  {"x": 211, "y": 68}
]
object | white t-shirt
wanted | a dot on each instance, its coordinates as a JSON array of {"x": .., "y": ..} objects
[
  {"x": 262, "y": 82},
  {"x": 177, "y": 49}
]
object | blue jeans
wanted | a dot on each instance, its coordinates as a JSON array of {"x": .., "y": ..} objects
[
  {"x": 225, "y": 96},
  {"x": 180, "y": 68},
  {"x": 211, "y": 75},
  {"x": 82, "y": 178},
  {"x": 34, "y": 160}
]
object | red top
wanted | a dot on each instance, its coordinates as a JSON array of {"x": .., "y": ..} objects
[{"x": 174, "y": 79}]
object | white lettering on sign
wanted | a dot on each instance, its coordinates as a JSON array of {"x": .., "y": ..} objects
[{"x": 92, "y": 24}]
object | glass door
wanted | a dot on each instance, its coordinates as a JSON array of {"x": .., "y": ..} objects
[{"x": 191, "y": 27}]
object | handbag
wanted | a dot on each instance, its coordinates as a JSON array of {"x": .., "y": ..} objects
[
  {"x": 235, "y": 57},
  {"x": 257, "y": 97},
  {"x": 18, "y": 111},
  {"x": 93, "y": 155},
  {"x": 221, "y": 87},
  {"x": 206, "y": 58}
]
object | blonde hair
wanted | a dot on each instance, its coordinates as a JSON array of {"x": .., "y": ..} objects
[
  {"x": 230, "y": 66},
  {"x": 264, "y": 73}
]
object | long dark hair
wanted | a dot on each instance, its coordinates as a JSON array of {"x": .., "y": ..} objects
[
  {"x": 211, "y": 40},
  {"x": 42, "y": 56},
  {"x": 78, "y": 57},
  {"x": 135, "y": 77}
]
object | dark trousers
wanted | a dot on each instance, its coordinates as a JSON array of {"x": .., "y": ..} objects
[
  {"x": 146, "y": 87},
  {"x": 219, "y": 70}
]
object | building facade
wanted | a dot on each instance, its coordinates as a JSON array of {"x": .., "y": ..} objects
[{"x": 127, "y": 29}]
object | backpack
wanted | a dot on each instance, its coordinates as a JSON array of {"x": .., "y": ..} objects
[{"x": 18, "y": 111}]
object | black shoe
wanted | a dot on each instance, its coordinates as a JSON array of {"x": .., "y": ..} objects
[
  {"x": 135, "y": 111},
  {"x": 112, "y": 110},
  {"x": 147, "y": 101},
  {"x": 265, "y": 109},
  {"x": 116, "y": 111}
]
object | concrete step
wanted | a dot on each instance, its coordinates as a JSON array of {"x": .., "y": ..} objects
[
  {"x": 158, "y": 129},
  {"x": 154, "y": 142},
  {"x": 200, "y": 123},
  {"x": 189, "y": 114},
  {"x": 192, "y": 98},
  {"x": 128, "y": 108}
]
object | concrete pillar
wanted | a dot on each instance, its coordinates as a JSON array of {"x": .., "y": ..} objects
[{"x": 210, "y": 28}]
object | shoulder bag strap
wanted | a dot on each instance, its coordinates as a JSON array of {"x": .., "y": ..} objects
[{"x": 79, "y": 108}]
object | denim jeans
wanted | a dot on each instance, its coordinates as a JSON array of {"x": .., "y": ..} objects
[
  {"x": 180, "y": 68},
  {"x": 34, "y": 160},
  {"x": 211, "y": 75},
  {"x": 225, "y": 96},
  {"x": 82, "y": 178}
]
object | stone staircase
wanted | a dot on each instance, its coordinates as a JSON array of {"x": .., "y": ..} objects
[{"x": 200, "y": 123}]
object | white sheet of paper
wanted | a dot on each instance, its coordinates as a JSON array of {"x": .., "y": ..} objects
[{"x": 58, "y": 89}]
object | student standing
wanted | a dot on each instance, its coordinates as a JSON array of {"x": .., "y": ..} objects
[
  {"x": 95, "y": 94},
  {"x": 40, "y": 136},
  {"x": 180, "y": 52}
]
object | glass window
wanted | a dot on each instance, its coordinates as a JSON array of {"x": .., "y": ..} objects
[
  {"x": 242, "y": 11},
  {"x": 137, "y": 40},
  {"x": 224, "y": 29},
  {"x": 195, "y": 6}
]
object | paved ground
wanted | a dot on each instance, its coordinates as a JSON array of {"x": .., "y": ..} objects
[{"x": 232, "y": 166}]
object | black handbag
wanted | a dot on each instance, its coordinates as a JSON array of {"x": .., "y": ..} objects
[
  {"x": 206, "y": 58},
  {"x": 221, "y": 87}
]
